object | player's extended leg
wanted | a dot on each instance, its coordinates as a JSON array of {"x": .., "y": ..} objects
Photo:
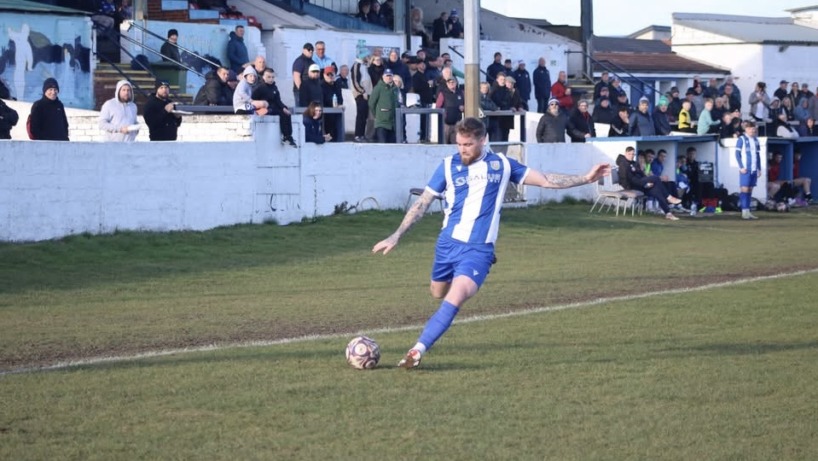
[
  {"x": 457, "y": 274},
  {"x": 457, "y": 292}
]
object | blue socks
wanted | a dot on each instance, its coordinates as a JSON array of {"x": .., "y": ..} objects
[
  {"x": 438, "y": 324},
  {"x": 744, "y": 200}
]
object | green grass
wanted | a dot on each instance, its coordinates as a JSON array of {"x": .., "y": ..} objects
[{"x": 723, "y": 373}]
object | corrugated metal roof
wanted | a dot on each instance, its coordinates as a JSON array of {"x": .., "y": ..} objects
[
  {"x": 660, "y": 63},
  {"x": 25, "y": 6},
  {"x": 749, "y": 29},
  {"x": 629, "y": 45}
]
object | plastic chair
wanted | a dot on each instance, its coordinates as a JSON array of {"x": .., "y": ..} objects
[{"x": 416, "y": 192}]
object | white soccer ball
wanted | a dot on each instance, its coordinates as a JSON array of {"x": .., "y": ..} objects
[{"x": 363, "y": 353}]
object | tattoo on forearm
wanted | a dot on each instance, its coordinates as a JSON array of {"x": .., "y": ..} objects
[
  {"x": 564, "y": 181},
  {"x": 415, "y": 213}
]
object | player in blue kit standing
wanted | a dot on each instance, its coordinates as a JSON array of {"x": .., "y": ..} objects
[
  {"x": 473, "y": 182},
  {"x": 748, "y": 157}
]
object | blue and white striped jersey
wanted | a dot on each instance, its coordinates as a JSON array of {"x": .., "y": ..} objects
[
  {"x": 474, "y": 194},
  {"x": 748, "y": 153}
]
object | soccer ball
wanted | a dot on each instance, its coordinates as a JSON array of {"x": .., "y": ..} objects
[{"x": 363, "y": 353}]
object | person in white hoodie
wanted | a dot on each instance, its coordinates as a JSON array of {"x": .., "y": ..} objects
[
  {"x": 243, "y": 102},
  {"x": 117, "y": 118}
]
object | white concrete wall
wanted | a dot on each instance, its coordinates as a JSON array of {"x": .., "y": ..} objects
[{"x": 52, "y": 189}]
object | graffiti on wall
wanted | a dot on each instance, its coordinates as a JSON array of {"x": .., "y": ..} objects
[{"x": 36, "y": 47}]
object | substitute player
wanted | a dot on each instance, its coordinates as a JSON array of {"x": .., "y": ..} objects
[
  {"x": 473, "y": 182},
  {"x": 749, "y": 163}
]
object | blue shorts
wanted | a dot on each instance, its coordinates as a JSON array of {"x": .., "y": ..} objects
[
  {"x": 748, "y": 179},
  {"x": 454, "y": 258}
]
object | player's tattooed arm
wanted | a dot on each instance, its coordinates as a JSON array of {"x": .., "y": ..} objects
[
  {"x": 564, "y": 181},
  {"x": 413, "y": 215}
]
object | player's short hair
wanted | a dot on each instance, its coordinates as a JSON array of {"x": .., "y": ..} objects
[{"x": 471, "y": 127}]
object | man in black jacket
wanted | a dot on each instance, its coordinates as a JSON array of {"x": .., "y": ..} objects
[
  {"x": 162, "y": 122},
  {"x": 631, "y": 177},
  {"x": 542, "y": 86},
  {"x": 48, "y": 119},
  {"x": 420, "y": 85},
  {"x": 215, "y": 91},
  {"x": 8, "y": 118},
  {"x": 268, "y": 91},
  {"x": 553, "y": 124}
]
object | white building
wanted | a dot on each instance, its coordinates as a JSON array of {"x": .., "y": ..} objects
[{"x": 754, "y": 48}]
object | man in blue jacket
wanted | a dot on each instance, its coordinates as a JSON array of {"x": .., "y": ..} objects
[
  {"x": 542, "y": 86},
  {"x": 237, "y": 51}
]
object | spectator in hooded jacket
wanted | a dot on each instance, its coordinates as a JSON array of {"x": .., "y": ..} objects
[
  {"x": 553, "y": 124},
  {"x": 243, "y": 102},
  {"x": 48, "y": 119},
  {"x": 117, "y": 118}
]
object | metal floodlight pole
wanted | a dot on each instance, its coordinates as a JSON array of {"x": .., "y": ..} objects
[{"x": 471, "y": 57}]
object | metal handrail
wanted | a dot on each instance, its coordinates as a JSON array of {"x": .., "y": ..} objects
[
  {"x": 461, "y": 55},
  {"x": 108, "y": 33},
  {"x": 139, "y": 27},
  {"x": 614, "y": 71},
  {"x": 136, "y": 42}
]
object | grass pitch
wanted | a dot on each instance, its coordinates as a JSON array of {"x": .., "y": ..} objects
[{"x": 722, "y": 373}]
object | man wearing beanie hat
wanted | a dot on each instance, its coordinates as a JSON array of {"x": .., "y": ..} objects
[
  {"x": 640, "y": 122},
  {"x": 661, "y": 119},
  {"x": 169, "y": 50},
  {"x": 48, "y": 120},
  {"x": 553, "y": 125},
  {"x": 158, "y": 113},
  {"x": 454, "y": 25}
]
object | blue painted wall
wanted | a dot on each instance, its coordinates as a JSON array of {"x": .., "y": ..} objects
[{"x": 34, "y": 47}]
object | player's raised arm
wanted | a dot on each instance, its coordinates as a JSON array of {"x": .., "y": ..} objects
[
  {"x": 564, "y": 181},
  {"x": 415, "y": 213}
]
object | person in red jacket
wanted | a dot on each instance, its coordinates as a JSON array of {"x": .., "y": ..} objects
[{"x": 562, "y": 92}]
